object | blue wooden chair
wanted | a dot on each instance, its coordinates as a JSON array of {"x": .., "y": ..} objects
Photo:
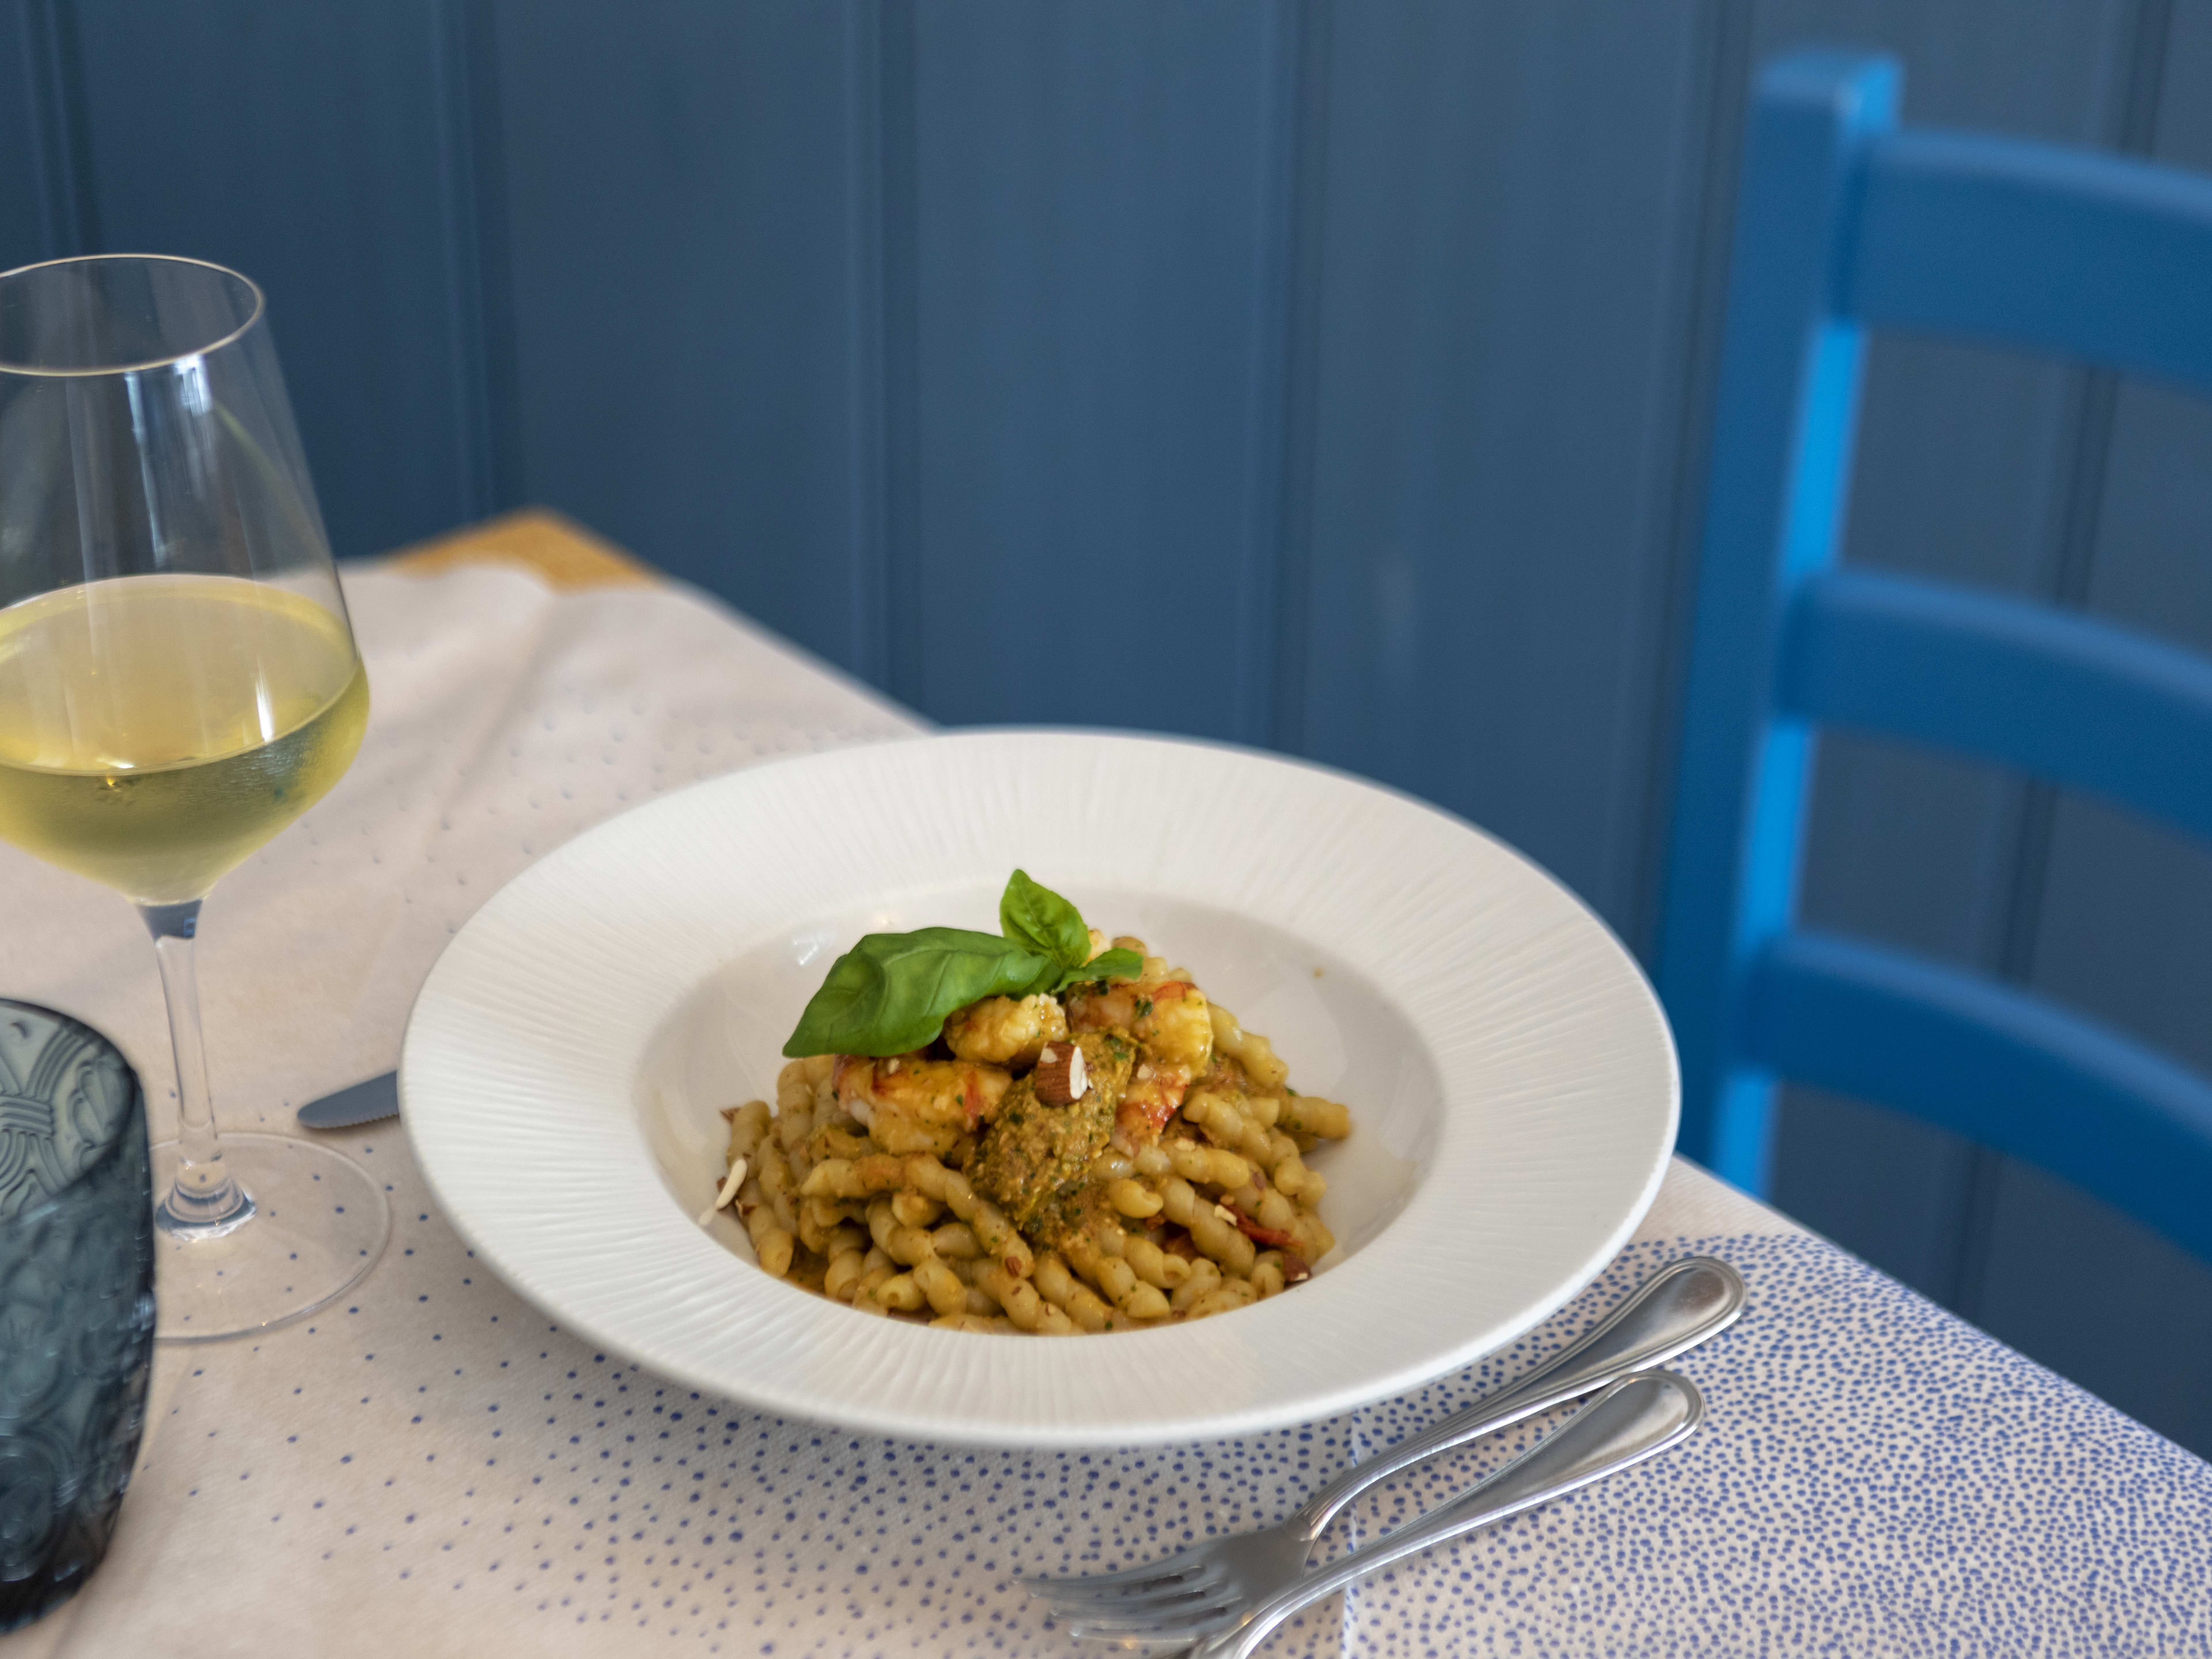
[{"x": 1846, "y": 221}]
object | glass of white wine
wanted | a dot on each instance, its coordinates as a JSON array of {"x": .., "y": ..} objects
[{"x": 178, "y": 681}]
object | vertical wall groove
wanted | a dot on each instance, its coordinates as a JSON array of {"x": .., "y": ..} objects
[
  {"x": 896, "y": 648},
  {"x": 473, "y": 175},
  {"x": 69, "y": 209},
  {"x": 451, "y": 66},
  {"x": 1297, "y": 316},
  {"x": 1261, "y": 554},
  {"x": 869, "y": 647},
  {"x": 1725, "y": 89},
  {"x": 2089, "y": 447}
]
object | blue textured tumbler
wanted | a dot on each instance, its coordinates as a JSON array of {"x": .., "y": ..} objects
[{"x": 76, "y": 1301}]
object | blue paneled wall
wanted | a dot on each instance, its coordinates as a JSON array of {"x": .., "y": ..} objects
[{"x": 1329, "y": 376}]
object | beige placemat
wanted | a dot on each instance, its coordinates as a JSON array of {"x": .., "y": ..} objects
[{"x": 430, "y": 1467}]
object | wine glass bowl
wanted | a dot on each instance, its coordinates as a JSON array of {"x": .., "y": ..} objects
[
  {"x": 178, "y": 682},
  {"x": 164, "y": 726}
]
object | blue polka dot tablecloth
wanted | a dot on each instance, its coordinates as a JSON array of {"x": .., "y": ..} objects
[{"x": 431, "y": 1468}]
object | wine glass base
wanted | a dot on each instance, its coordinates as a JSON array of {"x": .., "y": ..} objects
[{"x": 319, "y": 1222}]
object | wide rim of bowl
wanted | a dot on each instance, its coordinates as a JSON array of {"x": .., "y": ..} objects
[{"x": 519, "y": 1108}]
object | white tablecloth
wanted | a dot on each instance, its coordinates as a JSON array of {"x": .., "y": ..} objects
[{"x": 430, "y": 1467}]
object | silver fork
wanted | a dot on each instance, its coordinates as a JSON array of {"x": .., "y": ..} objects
[
  {"x": 1637, "y": 1417},
  {"x": 1185, "y": 1595}
]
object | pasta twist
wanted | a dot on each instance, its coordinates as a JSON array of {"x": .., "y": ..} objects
[
  {"x": 1267, "y": 1274},
  {"x": 847, "y": 1251},
  {"x": 794, "y": 1094},
  {"x": 772, "y": 1243},
  {"x": 913, "y": 1210},
  {"x": 1070, "y": 1294},
  {"x": 861, "y": 1178},
  {"x": 1133, "y": 1198},
  {"x": 1116, "y": 1278},
  {"x": 875, "y": 1268},
  {"x": 942, "y": 1288},
  {"x": 1309, "y": 1115},
  {"x": 829, "y": 1211},
  {"x": 1291, "y": 1176},
  {"x": 1223, "y": 1122},
  {"x": 993, "y": 1230},
  {"x": 776, "y": 1183},
  {"x": 1267, "y": 1071},
  {"x": 1272, "y": 1211},
  {"x": 957, "y": 1238},
  {"x": 1152, "y": 1264},
  {"x": 1206, "y": 1166},
  {"x": 908, "y": 1246},
  {"x": 1314, "y": 1238},
  {"x": 748, "y": 1124},
  {"x": 1232, "y": 1293},
  {"x": 900, "y": 1293},
  {"x": 811, "y": 1233},
  {"x": 1217, "y": 1238},
  {"x": 1204, "y": 1279},
  {"x": 1029, "y": 1311}
]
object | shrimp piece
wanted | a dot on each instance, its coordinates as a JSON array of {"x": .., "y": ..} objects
[
  {"x": 915, "y": 1105},
  {"x": 1000, "y": 1032},
  {"x": 1171, "y": 1018},
  {"x": 1154, "y": 1094},
  {"x": 1111, "y": 1006},
  {"x": 1174, "y": 1028}
]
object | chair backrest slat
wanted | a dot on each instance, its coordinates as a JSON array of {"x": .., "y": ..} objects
[
  {"x": 2063, "y": 252},
  {"x": 2003, "y": 1067},
  {"x": 2050, "y": 692}
]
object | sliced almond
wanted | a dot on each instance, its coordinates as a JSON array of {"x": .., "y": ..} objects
[
  {"x": 731, "y": 1183},
  {"x": 1060, "y": 1078}
]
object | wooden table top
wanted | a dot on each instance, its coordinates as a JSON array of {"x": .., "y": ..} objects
[{"x": 561, "y": 550}]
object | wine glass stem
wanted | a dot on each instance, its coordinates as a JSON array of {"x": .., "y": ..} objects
[{"x": 203, "y": 1199}]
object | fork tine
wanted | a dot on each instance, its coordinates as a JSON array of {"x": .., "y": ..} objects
[
  {"x": 1180, "y": 1630},
  {"x": 1167, "y": 1619},
  {"x": 1153, "y": 1608},
  {"x": 1202, "y": 1582},
  {"x": 1203, "y": 1571},
  {"x": 1124, "y": 1576}
]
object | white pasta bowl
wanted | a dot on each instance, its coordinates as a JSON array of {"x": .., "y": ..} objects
[{"x": 1510, "y": 1076}]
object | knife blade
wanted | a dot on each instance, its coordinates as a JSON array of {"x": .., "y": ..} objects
[{"x": 364, "y": 1103}]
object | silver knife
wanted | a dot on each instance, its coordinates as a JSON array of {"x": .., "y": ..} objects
[{"x": 364, "y": 1103}]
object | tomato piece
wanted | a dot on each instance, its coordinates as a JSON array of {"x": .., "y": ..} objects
[{"x": 1274, "y": 1237}]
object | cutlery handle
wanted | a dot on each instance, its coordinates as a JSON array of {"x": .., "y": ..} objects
[
  {"x": 1637, "y": 1417},
  {"x": 1674, "y": 1309}
]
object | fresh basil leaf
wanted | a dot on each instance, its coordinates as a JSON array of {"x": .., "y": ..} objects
[
  {"x": 1107, "y": 964},
  {"x": 1038, "y": 919},
  {"x": 1047, "y": 980},
  {"x": 890, "y": 994}
]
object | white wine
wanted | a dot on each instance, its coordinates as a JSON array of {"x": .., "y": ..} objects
[{"x": 156, "y": 730}]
